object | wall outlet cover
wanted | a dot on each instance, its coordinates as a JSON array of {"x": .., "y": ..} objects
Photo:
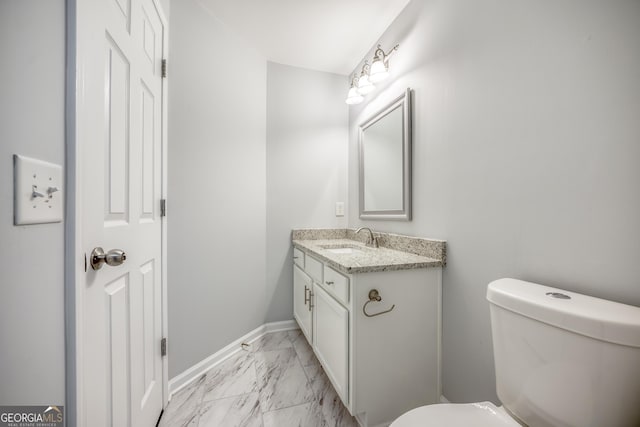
[
  {"x": 339, "y": 208},
  {"x": 37, "y": 193}
]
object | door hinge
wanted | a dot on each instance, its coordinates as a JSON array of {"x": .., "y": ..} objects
[
  {"x": 163, "y": 347},
  {"x": 163, "y": 207},
  {"x": 164, "y": 68}
]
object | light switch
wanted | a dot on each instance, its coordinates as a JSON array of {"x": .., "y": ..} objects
[
  {"x": 37, "y": 192},
  {"x": 339, "y": 208}
]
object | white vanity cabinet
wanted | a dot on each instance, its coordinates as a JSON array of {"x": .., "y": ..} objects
[{"x": 380, "y": 366}]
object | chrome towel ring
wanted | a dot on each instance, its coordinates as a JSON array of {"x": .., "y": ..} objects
[{"x": 374, "y": 296}]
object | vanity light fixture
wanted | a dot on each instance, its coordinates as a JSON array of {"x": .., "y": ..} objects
[
  {"x": 380, "y": 65},
  {"x": 364, "y": 85},
  {"x": 354, "y": 96},
  {"x": 376, "y": 72}
]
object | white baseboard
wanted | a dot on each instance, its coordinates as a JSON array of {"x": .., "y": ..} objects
[
  {"x": 285, "y": 325},
  {"x": 361, "y": 419},
  {"x": 182, "y": 380}
]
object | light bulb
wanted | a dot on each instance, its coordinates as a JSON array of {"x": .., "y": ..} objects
[
  {"x": 379, "y": 71},
  {"x": 354, "y": 97},
  {"x": 364, "y": 85}
]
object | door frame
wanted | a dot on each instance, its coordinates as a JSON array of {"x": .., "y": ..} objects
[{"x": 74, "y": 256}]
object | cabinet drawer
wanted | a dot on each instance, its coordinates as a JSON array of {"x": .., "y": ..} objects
[
  {"x": 313, "y": 267},
  {"x": 336, "y": 284},
  {"x": 298, "y": 257}
]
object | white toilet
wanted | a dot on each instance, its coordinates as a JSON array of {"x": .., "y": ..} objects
[{"x": 562, "y": 360}]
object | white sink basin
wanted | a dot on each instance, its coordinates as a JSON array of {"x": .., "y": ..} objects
[
  {"x": 344, "y": 249},
  {"x": 352, "y": 251}
]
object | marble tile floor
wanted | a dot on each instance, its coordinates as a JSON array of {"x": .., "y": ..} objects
[{"x": 276, "y": 382}]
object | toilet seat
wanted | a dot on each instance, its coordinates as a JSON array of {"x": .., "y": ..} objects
[{"x": 481, "y": 414}]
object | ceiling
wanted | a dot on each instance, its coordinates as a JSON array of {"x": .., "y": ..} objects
[{"x": 324, "y": 35}]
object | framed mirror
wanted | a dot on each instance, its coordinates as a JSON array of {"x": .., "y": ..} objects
[{"x": 385, "y": 162}]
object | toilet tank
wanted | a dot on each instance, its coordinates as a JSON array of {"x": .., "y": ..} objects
[{"x": 564, "y": 359}]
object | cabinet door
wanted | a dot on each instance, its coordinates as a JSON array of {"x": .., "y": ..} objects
[
  {"x": 331, "y": 340},
  {"x": 301, "y": 305}
]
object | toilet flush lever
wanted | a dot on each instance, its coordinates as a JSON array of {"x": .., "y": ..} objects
[{"x": 558, "y": 295}]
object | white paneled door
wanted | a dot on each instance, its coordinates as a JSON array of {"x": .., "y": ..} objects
[{"x": 119, "y": 162}]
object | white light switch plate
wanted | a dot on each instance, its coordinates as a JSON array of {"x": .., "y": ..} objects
[
  {"x": 339, "y": 208},
  {"x": 37, "y": 191}
]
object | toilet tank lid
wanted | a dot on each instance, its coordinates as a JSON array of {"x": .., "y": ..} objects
[{"x": 594, "y": 317}]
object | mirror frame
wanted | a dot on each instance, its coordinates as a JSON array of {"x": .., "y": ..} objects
[{"x": 404, "y": 214}]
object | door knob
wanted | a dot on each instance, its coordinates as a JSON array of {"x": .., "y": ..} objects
[{"x": 113, "y": 258}]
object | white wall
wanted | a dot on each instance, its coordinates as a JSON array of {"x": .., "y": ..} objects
[
  {"x": 32, "y": 46},
  {"x": 307, "y": 145},
  {"x": 526, "y": 155},
  {"x": 216, "y": 195}
]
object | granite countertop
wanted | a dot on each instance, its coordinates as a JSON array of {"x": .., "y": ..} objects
[{"x": 366, "y": 259}]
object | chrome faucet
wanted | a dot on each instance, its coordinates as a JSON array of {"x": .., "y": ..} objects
[{"x": 371, "y": 240}]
